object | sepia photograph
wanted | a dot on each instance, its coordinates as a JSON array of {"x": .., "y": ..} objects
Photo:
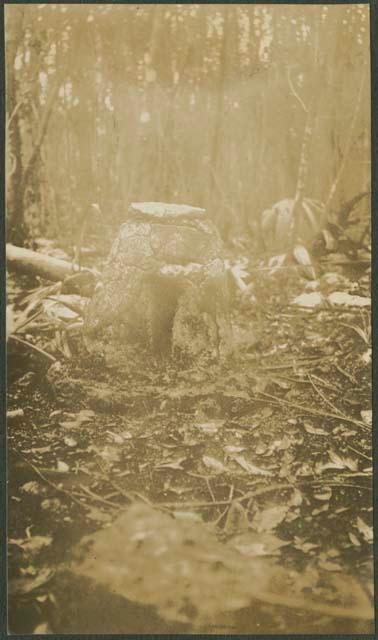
[{"x": 188, "y": 319}]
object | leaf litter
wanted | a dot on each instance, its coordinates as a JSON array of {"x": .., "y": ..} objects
[{"x": 209, "y": 450}]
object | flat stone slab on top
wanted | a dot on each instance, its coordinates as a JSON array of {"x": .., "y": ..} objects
[{"x": 164, "y": 211}]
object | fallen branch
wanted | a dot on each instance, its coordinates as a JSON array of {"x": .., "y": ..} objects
[
  {"x": 39, "y": 264},
  {"x": 32, "y": 347},
  {"x": 259, "y": 492}
]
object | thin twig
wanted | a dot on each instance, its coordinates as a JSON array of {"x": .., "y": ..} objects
[
  {"x": 221, "y": 516},
  {"x": 294, "y": 364},
  {"x": 130, "y": 495},
  {"x": 27, "y": 321},
  {"x": 325, "y": 384},
  {"x": 32, "y": 347},
  {"x": 206, "y": 478},
  {"x": 258, "y": 492},
  {"x": 360, "y": 453},
  {"x": 294, "y": 92},
  {"x": 210, "y": 489},
  {"x": 323, "y": 397},
  {"x": 302, "y": 381},
  {"x": 47, "y": 481},
  {"x": 13, "y": 114},
  {"x": 315, "y": 412},
  {"x": 98, "y": 498},
  {"x": 346, "y": 374}
]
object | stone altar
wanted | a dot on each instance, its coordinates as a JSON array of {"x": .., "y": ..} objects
[{"x": 164, "y": 288}]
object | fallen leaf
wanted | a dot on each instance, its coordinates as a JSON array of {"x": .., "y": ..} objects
[
  {"x": 346, "y": 299},
  {"x": 38, "y": 450},
  {"x": 42, "y": 598},
  {"x": 42, "y": 629},
  {"x": 365, "y": 530},
  {"x": 117, "y": 438},
  {"x": 347, "y": 463},
  {"x": 309, "y": 300},
  {"x": 366, "y": 357},
  {"x": 87, "y": 414},
  {"x": 251, "y": 468},
  {"x": 269, "y": 519},
  {"x": 51, "y": 503},
  {"x": 316, "y": 512},
  {"x": 172, "y": 464},
  {"x": 78, "y": 419},
  {"x": 230, "y": 449},
  {"x": 327, "y": 565},
  {"x": 214, "y": 464},
  {"x": 304, "y": 546},
  {"x": 31, "y": 487},
  {"x": 292, "y": 515},
  {"x": 109, "y": 454},
  {"x": 337, "y": 462},
  {"x": 32, "y": 545},
  {"x": 354, "y": 540},
  {"x": 236, "y": 520},
  {"x": 210, "y": 427},
  {"x": 296, "y": 498},
  {"x": 316, "y": 431},
  {"x": 62, "y": 467},
  {"x": 282, "y": 445},
  {"x": 261, "y": 449},
  {"x": 367, "y": 417},
  {"x": 325, "y": 494},
  {"x": 179, "y": 491},
  {"x": 333, "y": 553},
  {"x": 257, "y": 544},
  {"x": 187, "y": 516},
  {"x": 303, "y": 258},
  {"x": 15, "y": 414},
  {"x": 25, "y": 585}
]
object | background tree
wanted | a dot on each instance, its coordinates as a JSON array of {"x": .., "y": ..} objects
[{"x": 205, "y": 104}]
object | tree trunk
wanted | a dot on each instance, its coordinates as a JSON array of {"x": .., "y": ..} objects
[{"x": 14, "y": 194}]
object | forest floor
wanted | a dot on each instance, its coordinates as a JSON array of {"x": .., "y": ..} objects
[{"x": 269, "y": 455}]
